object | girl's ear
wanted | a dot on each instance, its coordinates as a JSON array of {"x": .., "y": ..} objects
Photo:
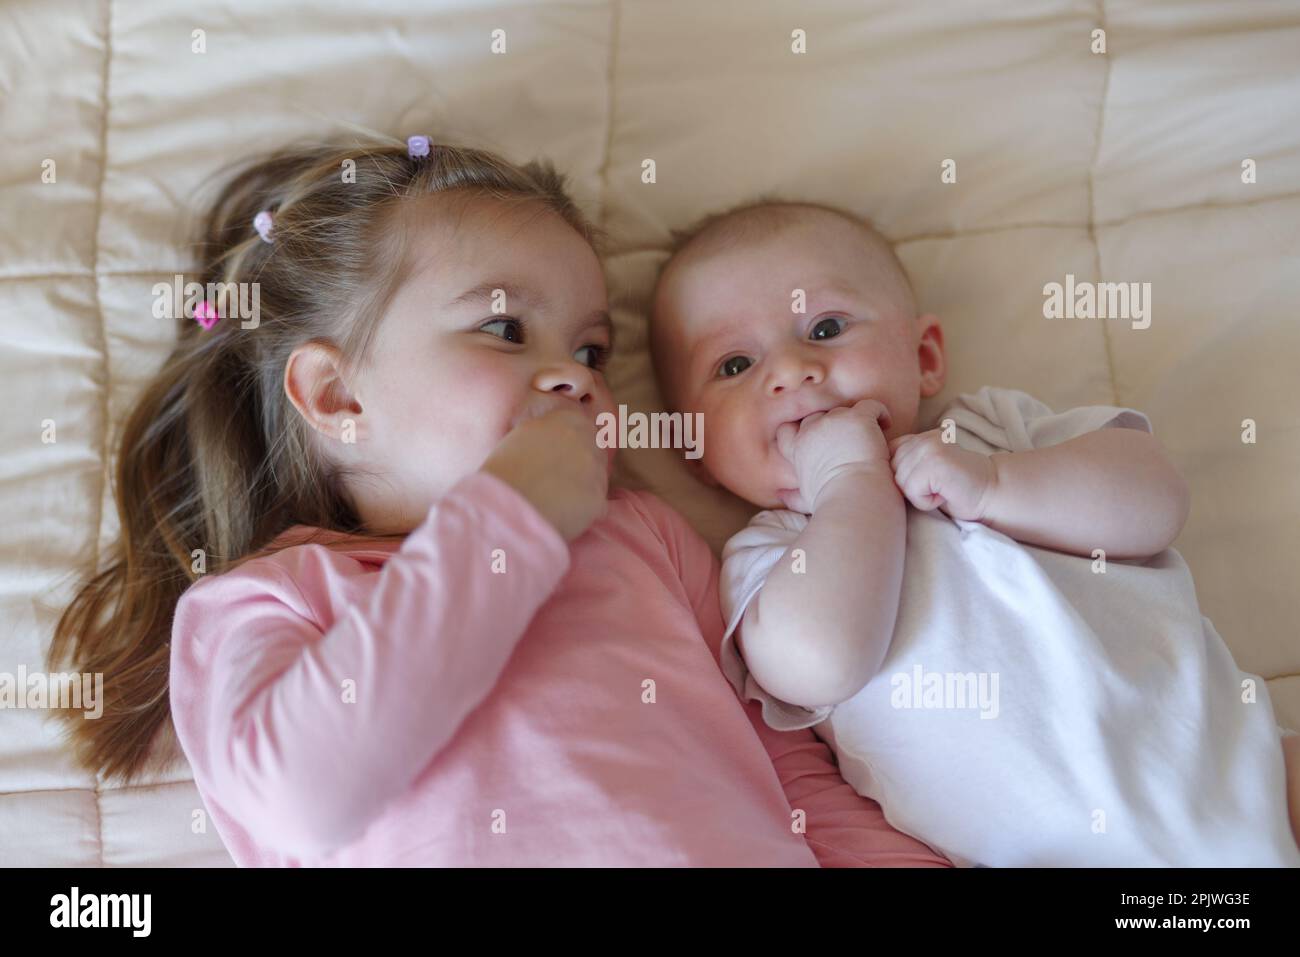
[
  {"x": 314, "y": 383},
  {"x": 929, "y": 354}
]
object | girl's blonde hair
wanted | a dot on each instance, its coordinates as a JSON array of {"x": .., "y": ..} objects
[{"x": 214, "y": 456}]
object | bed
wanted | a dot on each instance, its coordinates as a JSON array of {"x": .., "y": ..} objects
[{"x": 1001, "y": 145}]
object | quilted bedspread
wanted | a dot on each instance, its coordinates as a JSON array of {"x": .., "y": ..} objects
[{"x": 1002, "y": 145}]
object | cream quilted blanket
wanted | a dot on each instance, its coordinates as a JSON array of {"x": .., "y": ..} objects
[{"x": 1171, "y": 158}]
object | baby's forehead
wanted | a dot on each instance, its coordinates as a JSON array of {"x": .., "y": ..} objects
[
  {"x": 760, "y": 271},
  {"x": 796, "y": 238}
]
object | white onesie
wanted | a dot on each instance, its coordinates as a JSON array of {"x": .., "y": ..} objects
[{"x": 1034, "y": 709}]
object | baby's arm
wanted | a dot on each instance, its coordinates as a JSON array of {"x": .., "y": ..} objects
[
  {"x": 1113, "y": 489},
  {"x": 841, "y": 827},
  {"x": 820, "y": 626}
]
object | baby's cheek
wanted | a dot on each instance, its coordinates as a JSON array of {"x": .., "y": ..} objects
[
  {"x": 714, "y": 443},
  {"x": 732, "y": 454}
]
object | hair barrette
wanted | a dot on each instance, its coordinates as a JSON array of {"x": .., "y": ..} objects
[
  {"x": 262, "y": 222},
  {"x": 417, "y": 146},
  {"x": 206, "y": 315}
]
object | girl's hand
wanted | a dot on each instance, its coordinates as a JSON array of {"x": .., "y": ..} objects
[
  {"x": 932, "y": 474},
  {"x": 554, "y": 462},
  {"x": 827, "y": 445}
]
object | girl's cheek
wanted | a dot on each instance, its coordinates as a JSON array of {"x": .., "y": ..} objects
[{"x": 490, "y": 385}]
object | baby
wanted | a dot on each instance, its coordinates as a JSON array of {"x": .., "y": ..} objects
[{"x": 1016, "y": 668}]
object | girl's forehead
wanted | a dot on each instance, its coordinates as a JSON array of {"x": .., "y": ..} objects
[{"x": 467, "y": 234}]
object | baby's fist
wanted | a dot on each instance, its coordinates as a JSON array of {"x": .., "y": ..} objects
[
  {"x": 931, "y": 473},
  {"x": 826, "y": 445}
]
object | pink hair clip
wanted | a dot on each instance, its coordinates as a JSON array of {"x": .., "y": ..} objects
[
  {"x": 417, "y": 146},
  {"x": 205, "y": 315},
  {"x": 262, "y": 223}
]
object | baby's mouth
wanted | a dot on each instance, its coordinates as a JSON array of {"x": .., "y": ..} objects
[
  {"x": 885, "y": 421},
  {"x": 798, "y": 420}
]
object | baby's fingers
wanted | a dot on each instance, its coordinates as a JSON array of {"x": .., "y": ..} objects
[
  {"x": 905, "y": 455},
  {"x": 877, "y": 410},
  {"x": 785, "y": 434},
  {"x": 898, "y": 441},
  {"x": 793, "y": 500},
  {"x": 917, "y": 489}
]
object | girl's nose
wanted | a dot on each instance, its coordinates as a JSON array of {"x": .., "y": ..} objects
[
  {"x": 792, "y": 368},
  {"x": 572, "y": 379}
]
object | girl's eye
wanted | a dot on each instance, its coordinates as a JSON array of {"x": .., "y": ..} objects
[
  {"x": 513, "y": 329},
  {"x": 598, "y": 355},
  {"x": 827, "y": 328},
  {"x": 734, "y": 366}
]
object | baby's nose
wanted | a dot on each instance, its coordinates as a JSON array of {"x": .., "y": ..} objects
[{"x": 791, "y": 371}]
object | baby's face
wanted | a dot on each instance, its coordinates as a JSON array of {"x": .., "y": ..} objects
[{"x": 738, "y": 352}]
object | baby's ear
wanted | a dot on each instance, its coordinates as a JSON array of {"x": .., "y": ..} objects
[{"x": 930, "y": 354}]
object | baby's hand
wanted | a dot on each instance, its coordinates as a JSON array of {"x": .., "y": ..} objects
[
  {"x": 554, "y": 462},
  {"x": 828, "y": 445},
  {"x": 932, "y": 473}
]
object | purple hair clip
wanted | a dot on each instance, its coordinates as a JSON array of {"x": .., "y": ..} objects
[
  {"x": 206, "y": 315},
  {"x": 417, "y": 146},
  {"x": 262, "y": 223}
]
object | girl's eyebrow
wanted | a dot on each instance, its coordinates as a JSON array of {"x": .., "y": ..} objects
[{"x": 485, "y": 291}]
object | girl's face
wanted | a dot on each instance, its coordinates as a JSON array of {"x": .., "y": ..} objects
[{"x": 504, "y": 317}]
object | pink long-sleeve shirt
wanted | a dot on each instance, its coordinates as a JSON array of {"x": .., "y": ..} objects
[{"x": 484, "y": 694}]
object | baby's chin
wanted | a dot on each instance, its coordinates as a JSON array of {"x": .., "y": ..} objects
[{"x": 766, "y": 494}]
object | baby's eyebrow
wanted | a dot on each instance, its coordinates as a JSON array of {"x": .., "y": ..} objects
[
  {"x": 707, "y": 344},
  {"x": 822, "y": 291}
]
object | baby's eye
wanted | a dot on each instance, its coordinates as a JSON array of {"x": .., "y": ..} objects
[
  {"x": 513, "y": 329},
  {"x": 599, "y": 355},
  {"x": 734, "y": 366},
  {"x": 827, "y": 328}
]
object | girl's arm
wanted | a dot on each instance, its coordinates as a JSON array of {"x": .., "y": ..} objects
[
  {"x": 307, "y": 736},
  {"x": 843, "y": 828}
]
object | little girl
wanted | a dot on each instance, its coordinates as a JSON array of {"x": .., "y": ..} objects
[{"x": 429, "y": 633}]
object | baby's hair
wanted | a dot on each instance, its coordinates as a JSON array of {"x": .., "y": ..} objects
[
  {"x": 765, "y": 216},
  {"x": 214, "y": 456}
]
